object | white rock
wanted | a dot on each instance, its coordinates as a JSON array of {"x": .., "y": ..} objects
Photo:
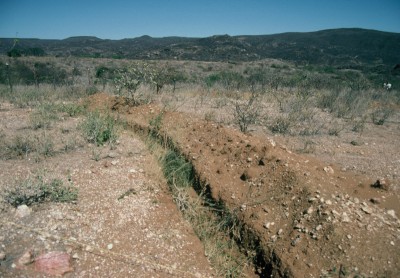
[
  {"x": 328, "y": 202},
  {"x": 22, "y": 211},
  {"x": 110, "y": 246},
  {"x": 26, "y": 258},
  {"x": 310, "y": 210},
  {"x": 366, "y": 209},
  {"x": 272, "y": 142},
  {"x": 392, "y": 213},
  {"x": 345, "y": 218},
  {"x": 329, "y": 170}
]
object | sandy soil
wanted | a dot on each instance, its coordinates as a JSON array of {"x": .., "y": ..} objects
[{"x": 124, "y": 223}]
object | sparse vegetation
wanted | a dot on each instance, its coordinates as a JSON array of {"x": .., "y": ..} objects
[
  {"x": 37, "y": 190},
  {"x": 216, "y": 227},
  {"x": 325, "y": 102},
  {"x": 99, "y": 129}
]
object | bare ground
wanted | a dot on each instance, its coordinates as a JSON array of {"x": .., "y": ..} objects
[
  {"x": 124, "y": 223},
  {"x": 310, "y": 215}
]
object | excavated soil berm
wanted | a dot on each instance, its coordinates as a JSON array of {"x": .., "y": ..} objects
[{"x": 307, "y": 218}]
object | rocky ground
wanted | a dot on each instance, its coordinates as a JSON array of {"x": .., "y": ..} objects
[
  {"x": 124, "y": 223},
  {"x": 307, "y": 217}
]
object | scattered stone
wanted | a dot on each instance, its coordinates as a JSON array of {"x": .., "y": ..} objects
[
  {"x": 88, "y": 248},
  {"x": 243, "y": 207},
  {"x": 366, "y": 209},
  {"x": 112, "y": 155},
  {"x": 268, "y": 225},
  {"x": 280, "y": 231},
  {"x": 248, "y": 174},
  {"x": 296, "y": 240},
  {"x": 392, "y": 243},
  {"x": 329, "y": 170},
  {"x": 54, "y": 263},
  {"x": 381, "y": 184},
  {"x": 249, "y": 159},
  {"x": 312, "y": 199},
  {"x": 272, "y": 142},
  {"x": 25, "y": 259},
  {"x": 349, "y": 236},
  {"x": 22, "y": 211},
  {"x": 319, "y": 227},
  {"x": 110, "y": 246},
  {"x": 132, "y": 171},
  {"x": 345, "y": 218},
  {"x": 114, "y": 162},
  {"x": 375, "y": 200},
  {"x": 392, "y": 213},
  {"x": 75, "y": 256},
  {"x": 310, "y": 210},
  {"x": 2, "y": 256},
  {"x": 328, "y": 202}
]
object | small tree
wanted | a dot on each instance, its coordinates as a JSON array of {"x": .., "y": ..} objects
[{"x": 130, "y": 79}]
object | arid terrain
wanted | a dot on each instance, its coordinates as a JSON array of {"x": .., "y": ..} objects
[
  {"x": 298, "y": 214},
  {"x": 118, "y": 168}
]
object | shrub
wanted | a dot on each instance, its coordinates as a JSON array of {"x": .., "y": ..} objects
[
  {"x": 281, "y": 125},
  {"x": 33, "y": 191},
  {"x": 247, "y": 113},
  {"x": 99, "y": 129},
  {"x": 19, "y": 146},
  {"x": 44, "y": 115},
  {"x": 380, "y": 115},
  {"x": 177, "y": 170}
]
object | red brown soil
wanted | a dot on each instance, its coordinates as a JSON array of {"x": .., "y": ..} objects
[{"x": 310, "y": 221}]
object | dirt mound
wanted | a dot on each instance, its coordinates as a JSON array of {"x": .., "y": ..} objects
[{"x": 309, "y": 219}]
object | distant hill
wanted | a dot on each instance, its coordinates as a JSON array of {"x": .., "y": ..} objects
[{"x": 347, "y": 48}]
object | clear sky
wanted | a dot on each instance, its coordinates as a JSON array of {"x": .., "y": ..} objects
[{"x": 118, "y": 19}]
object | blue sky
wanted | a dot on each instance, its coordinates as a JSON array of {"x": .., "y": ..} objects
[{"x": 118, "y": 19}]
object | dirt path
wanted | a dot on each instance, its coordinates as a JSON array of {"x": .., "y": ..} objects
[{"x": 124, "y": 224}]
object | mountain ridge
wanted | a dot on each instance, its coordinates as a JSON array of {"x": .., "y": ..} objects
[{"x": 344, "y": 47}]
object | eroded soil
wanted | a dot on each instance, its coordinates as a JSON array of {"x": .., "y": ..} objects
[{"x": 309, "y": 218}]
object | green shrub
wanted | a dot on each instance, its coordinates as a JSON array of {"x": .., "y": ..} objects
[
  {"x": 177, "y": 170},
  {"x": 34, "y": 191},
  {"x": 19, "y": 146},
  {"x": 99, "y": 129},
  {"x": 72, "y": 109}
]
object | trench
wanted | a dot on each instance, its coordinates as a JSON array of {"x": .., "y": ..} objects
[{"x": 262, "y": 262}]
